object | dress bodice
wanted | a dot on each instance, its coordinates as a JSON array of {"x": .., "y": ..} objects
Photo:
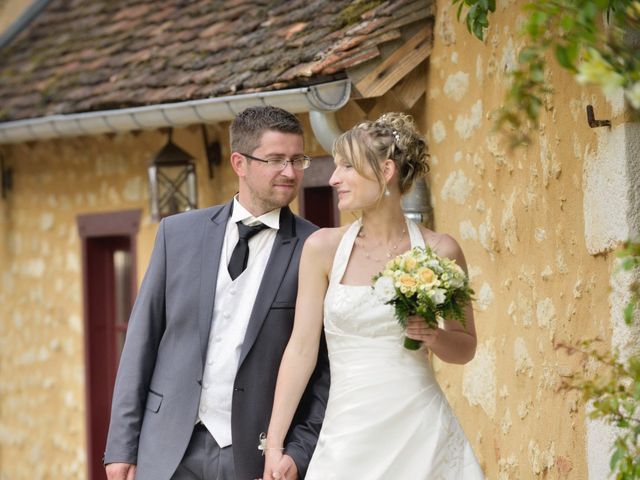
[{"x": 354, "y": 309}]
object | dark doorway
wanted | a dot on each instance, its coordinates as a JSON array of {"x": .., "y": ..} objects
[
  {"x": 109, "y": 284},
  {"x": 318, "y": 201},
  {"x": 318, "y": 206}
]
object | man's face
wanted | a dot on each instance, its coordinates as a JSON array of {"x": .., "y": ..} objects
[{"x": 263, "y": 188}]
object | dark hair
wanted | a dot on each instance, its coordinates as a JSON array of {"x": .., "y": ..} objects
[
  {"x": 247, "y": 128},
  {"x": 394, "y": 136}
]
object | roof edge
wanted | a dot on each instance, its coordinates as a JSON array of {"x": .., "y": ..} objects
[{"x": 325, "y": 97}]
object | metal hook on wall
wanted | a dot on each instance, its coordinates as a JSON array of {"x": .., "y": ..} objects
[{"x": 591, "y": 119}]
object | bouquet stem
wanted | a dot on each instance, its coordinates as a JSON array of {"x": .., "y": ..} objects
[{"x": 411, "y": 344}]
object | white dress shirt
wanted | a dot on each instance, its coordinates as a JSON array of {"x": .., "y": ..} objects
[{"x": 233, "y": 305}]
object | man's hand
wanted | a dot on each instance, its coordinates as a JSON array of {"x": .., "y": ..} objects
[{"x": 120, "y": 471}]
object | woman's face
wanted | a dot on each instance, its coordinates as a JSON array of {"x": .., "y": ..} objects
[{"x": 355, "y": 191}]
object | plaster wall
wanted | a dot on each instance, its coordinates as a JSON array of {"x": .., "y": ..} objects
[{"x": 526, "y": 221}]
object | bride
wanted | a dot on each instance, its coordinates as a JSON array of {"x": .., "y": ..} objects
[{"x": 386, "y": 415}]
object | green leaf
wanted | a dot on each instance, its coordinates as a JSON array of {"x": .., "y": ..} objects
[
  {"x": 615, "y": 458},
  {"x": 563, "y": 57},
  {"x": 627, "y": 314}
]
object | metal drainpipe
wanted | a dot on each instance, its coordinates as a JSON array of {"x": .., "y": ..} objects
[
  {"x": 416, "y": 204},
  {"x": 325, "y": 128}
]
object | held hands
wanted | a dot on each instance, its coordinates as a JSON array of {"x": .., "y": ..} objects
[
  {"x": 418, "y": 329},
  {"x": 278, "y": 466},
  {"x": 120, "y": 471}
]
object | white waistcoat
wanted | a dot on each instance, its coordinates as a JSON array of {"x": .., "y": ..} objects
[{"x": 233, "y": 305}]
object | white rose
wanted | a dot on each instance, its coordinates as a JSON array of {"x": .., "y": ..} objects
[
  {"x": 438, "y": 295},
  {"x": 384, "y": 289},
  {"x": 434, "y": 265}
]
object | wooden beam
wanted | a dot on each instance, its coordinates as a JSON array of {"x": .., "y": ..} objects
[
  {"x": 391, "y": 70},
  {"x": 412, "y": 87}
]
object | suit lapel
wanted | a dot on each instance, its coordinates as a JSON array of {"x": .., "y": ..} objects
[
  {"x": 277, "y": 265},
  {"x": 212, "y": 242}
]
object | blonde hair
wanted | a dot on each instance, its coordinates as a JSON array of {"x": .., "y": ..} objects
[{"x": 392, "y": 136}]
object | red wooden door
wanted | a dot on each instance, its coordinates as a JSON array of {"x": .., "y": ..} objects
[
  {"x": 318, "y": 201},
  {"x": 108, "y": 247}
]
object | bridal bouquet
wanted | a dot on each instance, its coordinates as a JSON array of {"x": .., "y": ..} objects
[{"x": 419, "y": 282}]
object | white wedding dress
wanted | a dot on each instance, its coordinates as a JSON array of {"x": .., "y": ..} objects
[{"x": 386, "y": 416}]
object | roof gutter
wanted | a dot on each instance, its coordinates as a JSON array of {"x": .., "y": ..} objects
[{"x": 319, "y": 100}]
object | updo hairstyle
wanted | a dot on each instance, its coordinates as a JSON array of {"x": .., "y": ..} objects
[{"x": 392, "y": 136}]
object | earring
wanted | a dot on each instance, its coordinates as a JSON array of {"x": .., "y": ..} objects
[{"x": 387, "y": 193}]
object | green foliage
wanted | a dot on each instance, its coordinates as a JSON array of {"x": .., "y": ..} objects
[
  {"x": 589, "y": 38},
  {"x": 629, "y": 260},
  {"x": 614, "y": 391},
  {"x": 614, "y": 395},
  {"x": 477, "y": 16}
]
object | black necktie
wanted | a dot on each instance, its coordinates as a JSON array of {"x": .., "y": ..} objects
[{"x": 240, "y": 254}]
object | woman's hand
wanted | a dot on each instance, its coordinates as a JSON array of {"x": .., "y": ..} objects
[
  {"x": 272, "y": 459},
  {"x": 417, "y": 329},
  {"x": 278, "y": 466}
]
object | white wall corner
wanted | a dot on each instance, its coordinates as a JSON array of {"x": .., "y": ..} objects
[
  {"x": 632, "y": 151},
  {"x": 625, "y": 339},
  {"x": 611, "y": 188},
  {"x": 600, "y": 439},
  {"x": 611, "y": 202}
]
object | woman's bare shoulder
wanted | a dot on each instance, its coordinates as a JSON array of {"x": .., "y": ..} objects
[
  {"x": 325, "y": 240},
  {"x": 442, "y": 243}
]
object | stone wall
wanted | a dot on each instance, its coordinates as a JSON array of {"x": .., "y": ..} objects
[{"x": 537, "y": 226}]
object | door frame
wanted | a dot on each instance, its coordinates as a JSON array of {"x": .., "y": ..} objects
[{"x": 124, "y": 223}]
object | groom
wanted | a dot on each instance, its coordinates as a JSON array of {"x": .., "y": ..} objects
[{"x": 214, "y": 313}]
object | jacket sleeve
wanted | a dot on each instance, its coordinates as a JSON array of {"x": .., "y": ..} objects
[
  {"x": 144, "y": 332},
  {"x": 303, "y": 435}
]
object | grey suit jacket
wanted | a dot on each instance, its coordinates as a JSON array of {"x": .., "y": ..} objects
[{"x": 158, "y": 384}]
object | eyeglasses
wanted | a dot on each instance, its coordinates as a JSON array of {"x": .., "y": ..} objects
[{"x": 280, "y": 163}]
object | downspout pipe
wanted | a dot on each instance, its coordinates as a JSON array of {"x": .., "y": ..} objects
[
  {"x": 325, "y": 97},
  {"x": 325, "y": 128}
]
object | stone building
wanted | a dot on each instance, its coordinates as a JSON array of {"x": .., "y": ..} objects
[{"x": 91, "y": 91}]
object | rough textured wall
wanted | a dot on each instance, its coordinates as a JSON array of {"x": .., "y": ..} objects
[
  {"x": 520, "y": 217},
  {"x": 42, "y": 410},
  {"x": 42, "y": 405},
  {"x": 10, "y": 10}
]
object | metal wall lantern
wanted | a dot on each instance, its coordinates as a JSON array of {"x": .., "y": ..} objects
[{"x": 172, "y": 182}]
